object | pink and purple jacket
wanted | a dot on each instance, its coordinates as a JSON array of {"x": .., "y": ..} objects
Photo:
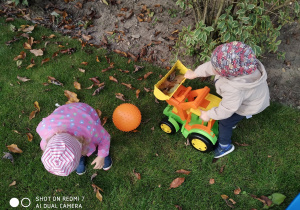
[{"x": 77, "y": 119}]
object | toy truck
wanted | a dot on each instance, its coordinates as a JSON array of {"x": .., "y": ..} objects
[{"x": 183, "y": 110}]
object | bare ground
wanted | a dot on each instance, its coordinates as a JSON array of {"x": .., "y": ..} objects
[{"x": 148, "y": 30}]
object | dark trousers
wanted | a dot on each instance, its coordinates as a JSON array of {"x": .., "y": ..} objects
[{"x": 225, "y": 128}]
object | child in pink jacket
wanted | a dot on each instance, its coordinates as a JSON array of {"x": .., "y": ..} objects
[
  {"x": 72, "y": 132},
  {"x": 240, "y": 79}
]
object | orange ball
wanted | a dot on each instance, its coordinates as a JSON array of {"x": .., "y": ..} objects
[{"x": 127, "y": 117}]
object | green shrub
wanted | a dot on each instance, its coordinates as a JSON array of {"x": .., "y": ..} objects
[{"x": 254, "y": 22}]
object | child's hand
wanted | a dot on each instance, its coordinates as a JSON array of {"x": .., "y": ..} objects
[
  {"x": 99, "y": 162},
  {"x": 190, "y": 74},
  {"x": 204, "y": 116}
]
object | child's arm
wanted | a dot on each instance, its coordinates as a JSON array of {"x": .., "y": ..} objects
[{"x": 204, "y": 70}]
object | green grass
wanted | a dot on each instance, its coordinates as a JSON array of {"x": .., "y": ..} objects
[{"x": 269, "y": 164}]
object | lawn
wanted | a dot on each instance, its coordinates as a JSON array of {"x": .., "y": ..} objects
[{"x": 266, "y": 159}]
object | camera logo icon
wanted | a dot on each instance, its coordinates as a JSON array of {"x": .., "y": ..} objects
[{"x": 25, "y": 202}]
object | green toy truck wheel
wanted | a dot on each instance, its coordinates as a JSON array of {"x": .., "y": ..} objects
[
  {"x": 167, "y": 126},
  {"x": 200, "y": 142}
]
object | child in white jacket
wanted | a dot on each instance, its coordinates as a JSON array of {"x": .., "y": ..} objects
[{"x": 241, "y": 81}]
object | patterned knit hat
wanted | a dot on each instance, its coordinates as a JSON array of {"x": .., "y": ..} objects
[
  {"x": 234, "y": 59},
  {"x": 62, "y": 154}
]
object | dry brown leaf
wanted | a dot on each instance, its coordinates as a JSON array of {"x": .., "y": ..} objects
[
  {"x": 211, "y": 181},
  {"x": 232, "y": 201},
  {"x": 97, "y": 188},
  {"x": 12, "y": 184},
  {"x": 182, "y": 171},
  {"x": 113, "y": 79},
  {"x": 23, "y": 79},
  {"x": 120, "y": 96},
  {"x": 26, "y": 28},
  {"x": 16, "y": 132},
  {"x": 100, "y": 87},
  {"x": 84, "y": 63},
  {"x": 97, "y": 59},
  {"x": 87, "y": 37},
  {"x": 104, "y": 120},
  {"x": 81, "y": 70},
  {"x": 222, "y": 169},
  {"x": 37, "y": 52},
  {"x": 32, "y": 114},
  {"x": 137, "y": 92},
  {"x": 21, "y": 56},
  {"x": 14, "y": 148},
  {"x": 243, "y": 144},
  {"x": 99, "y": 112},
  {"x": 99, "y": 196},
  {"x": 177, "y": 22},
  {"x": 147, "y": 89},
  {"x": 137, "y": 175},
  {"x": 51, "y": 36},
  {"x": 30, "y": 66},
  {"x": 36, "y": 105},
  {"x": 121, "y": 52},
  {"x": 124, "y": 71},
  {"x": 177, "y": 182},
  {"x": 127, "y": 85},
  {"x": 147, "y": 75},
  {"x": 45, "y": 60},
  {"x": 90, "y": 87},
  {"x": 54, "y": 81},
  {"x": 95, "y": 80},
  {"x": 93, "y": 176},
  {"x": 225, "y": 197},
  {"x": 72, "y": 97},
  {"x": 237, "y": 191},
  {"x": 137, "y": 68},
  {"x": 77, "y": 85},
  {"x": 29, "y": 136}
]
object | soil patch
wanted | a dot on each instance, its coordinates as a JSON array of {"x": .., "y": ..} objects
[{"x": 148, "y": 30}]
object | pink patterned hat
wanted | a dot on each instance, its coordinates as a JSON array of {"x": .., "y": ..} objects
[
  {"x": 234, "y": 59},
  {"x": 62, "y": 154}
]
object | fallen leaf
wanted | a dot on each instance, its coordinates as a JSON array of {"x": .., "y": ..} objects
[
  {"x": 87, "y": 37},
  {"x": 23, "y": 79},
  {"x": 77, "y": 85},
  {"x": 267, "y": 200},
  {"x": 45, "y": 60},
  {"x": 104, "y": 120},
  {"x": 97, "y": 59},
  {"x": 243, "y": 144},
  {"x": 147, "y": 75},
  {"x": 232, "y": 201},
  {"x": 97, "y": 188},
  {"x": 225, "y": 197},
  {"x": 54, "y": 81},
  {"x": 182, "y": 171},
  {"x": 120, "y": 96},
  {"x": 137, "y": 92},
  {"x": 98, "y": 89},
  {"x": 29, "y": 136},
  {"x": 81, "y": 70},
  {"x": 124, "y": 71},
  {"x": 147, "y": 89},
  {"x": 99, "y": 196},
  {"x": 222, "y": 169},
  {"x": 113, "y": 79},
  {"x": 120, "y": 52},
  {"x": 26, "y": 28},
  {"x": 211, "y": 181},
  {"x": 72, "y": 97},
  {"x": 84, "y": 63},
  {"x": 127, "y": 85},
  {"x": 237, "y": 191},
  {"x": 12, "y": 184},
  {"x": 137, "y": 175},
  {"x": 32, "y": 114},
  {"x": 99, "y": 112},
  {"x": 30, "y": 66},
  {"x": 177, "y": 22},
  {"x": 95, "y": 80},
  {"x": 36, "y": 105},
  {"x": 51, "y": 36},
  {"x": 37, "y": 52},
  {"x": 21, "y": 56},
  {"x": 93, "y": 176},
  {"x": 176, "y": 182},
  {"x": 137, "y": 68},
  {"x": 14, "y": 148},
  {"x": 8, "y": 156}
]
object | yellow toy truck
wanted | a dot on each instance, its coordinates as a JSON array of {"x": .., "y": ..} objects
[{"x": 183, "y": 110}]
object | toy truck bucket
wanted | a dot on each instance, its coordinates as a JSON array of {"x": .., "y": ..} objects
[{"x": 158, "y": 93}]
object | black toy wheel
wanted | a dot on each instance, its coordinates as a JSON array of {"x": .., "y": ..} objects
[
  {"x": 200, "y": 142},
  {"x": 167, "y": 126}
]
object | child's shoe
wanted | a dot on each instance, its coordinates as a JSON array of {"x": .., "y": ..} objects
[
  {"x": 220, "y": 151},
  {"x": 81, "y": 167},
  {"x": 107, "y": 163}
]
